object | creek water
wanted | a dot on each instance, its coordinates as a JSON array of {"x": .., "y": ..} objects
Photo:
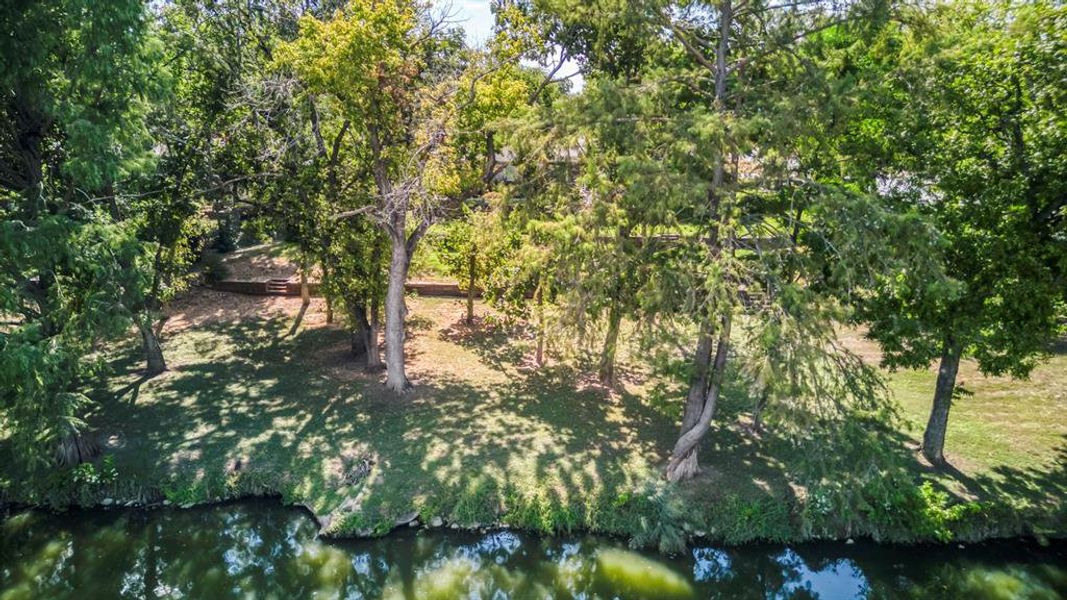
[{"x": 260, "y": 549}]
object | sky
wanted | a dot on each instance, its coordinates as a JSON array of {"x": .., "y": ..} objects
[
  {"x": 476, "y": 20},
  {"x": 474, "y": 17}
]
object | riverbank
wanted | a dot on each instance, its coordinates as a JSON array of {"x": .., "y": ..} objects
[{"x": 486, "y": 439}]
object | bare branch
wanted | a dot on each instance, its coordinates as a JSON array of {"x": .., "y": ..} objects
[
  {"x": 548, "y": 78},
  {"x": 354, "y": 213}
]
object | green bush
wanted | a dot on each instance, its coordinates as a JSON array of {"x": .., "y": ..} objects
[
  {"x": 478, "y": 503},
  {"x": 214, "y": 267},
  {"x": 659, "y": 518},
  {"x": 89, "y": 474}
]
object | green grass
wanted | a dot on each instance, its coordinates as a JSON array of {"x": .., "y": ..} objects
[
  {"x": 1005, "y": 423},
  {"x": 486, "y": 439},
  {"x": 1004, "y": 439}
]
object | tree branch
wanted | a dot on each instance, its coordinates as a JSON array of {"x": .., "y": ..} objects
[
  {"x": 689, "y": 47},
  {"x": 548, "y": 78}
]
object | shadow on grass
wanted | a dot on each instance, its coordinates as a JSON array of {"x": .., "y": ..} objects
[
  {"x": 1043, "y": 490},
  {"x": 295, "y": 414},
  {"x": 493, "y": 342},
  {"x": 242, "y": 399}
]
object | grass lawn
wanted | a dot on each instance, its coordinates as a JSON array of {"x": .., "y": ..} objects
[
  {"x": 484, "y": 438},
  {"x": 1006, "y": 438}
]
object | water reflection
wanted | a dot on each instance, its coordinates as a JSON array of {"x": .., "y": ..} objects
[{"x": 262, "y": 550}]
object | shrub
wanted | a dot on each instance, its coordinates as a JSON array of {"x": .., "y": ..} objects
[
  {"x": 214, "y": 268},
  {"x": 660, "y": 514}
]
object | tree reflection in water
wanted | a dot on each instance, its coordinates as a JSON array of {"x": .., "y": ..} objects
[{"x": 262, "y": 550}]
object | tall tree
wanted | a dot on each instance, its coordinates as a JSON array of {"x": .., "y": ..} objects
[
  {"x": 74, "y": 77},
  {"x": 402, "y": 80},
  {"x": 709, "y": 148},
  {"x": 972, "y": 118}
]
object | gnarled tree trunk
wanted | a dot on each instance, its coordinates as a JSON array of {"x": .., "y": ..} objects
[
  {"x": 933, "y": 447},
  {"x": 77, "y": 447},
  {"x": 683, "y": 463}
]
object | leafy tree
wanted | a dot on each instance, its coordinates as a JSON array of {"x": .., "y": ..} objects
[
  {"x": 358, "y": 282},
  {"x": 705, "y": 167},
  {"x": 75, "y": 78},
  {"x": 971, "y": 113},
  {"x": 402, "y": 81},
  {"x": 458, "y": 245},
  {"x": 167, "y": 204},
  {"x": 496, "y": 97}
]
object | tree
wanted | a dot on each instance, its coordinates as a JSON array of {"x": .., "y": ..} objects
[
  {"x": 74, "y": 79},
  {"x": 496, "y": 97},
  {"x": 706, "y": 163},
  {"x": 166, "y": 204},
  {"x": 458, "y": 245},
  {"x": 357, "y": 281},
  {"x": 399, "y": 77},
  {"x": 972, "y": 108}
]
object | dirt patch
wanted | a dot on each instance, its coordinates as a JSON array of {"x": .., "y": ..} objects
[
  {"x": 855, "y": 339},
  {"x": 260, "y": 263},
  {"x": 202, "y": 306}
]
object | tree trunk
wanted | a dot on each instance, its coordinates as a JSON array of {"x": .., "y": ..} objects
[
  {"x": 698, "y": 383},
  {"x": 607, "y": 355},
  {"x": 374, "y": 355},
  {"x": 539, "y": 301},
  {"x": 357, "y": 338},
  {"x": 933, "y": 447},
  {"x": 152, "y": 350},
  {"x": 365, "y": 336},
  {"x": 471, "y": 268},
  {"x": 305, "y": 301},
  {"x": 395, "y": 313},
  {"x": 757, "y": 411},
  {"x": 77, "y": 447},
  {"x": 360, "y": 330},
  {"x": 158, "y": 328},
  {"x": 324, "y": 267},
  {"x": 683, "y": 462},
  {"x": 490, "y": 160}
]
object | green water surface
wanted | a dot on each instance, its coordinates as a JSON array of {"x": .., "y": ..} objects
[{"x": 263, "y": 550}]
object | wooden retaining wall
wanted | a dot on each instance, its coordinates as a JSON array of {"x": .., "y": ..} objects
[{"x": 292, "y": 288}]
